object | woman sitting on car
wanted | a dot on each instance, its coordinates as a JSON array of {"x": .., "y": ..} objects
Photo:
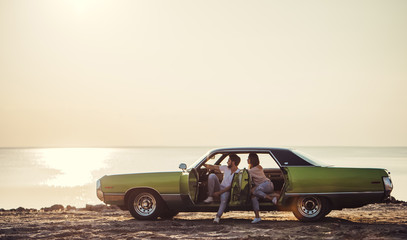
[{"x": 262, "y": 185}]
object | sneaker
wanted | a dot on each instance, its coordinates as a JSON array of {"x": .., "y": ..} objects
[
  {"x": 216, "y": 219},
  {"x": 208, "y": 200},
  {"x": 256, "y": 220},
  {"x": 274, "y": 201}
]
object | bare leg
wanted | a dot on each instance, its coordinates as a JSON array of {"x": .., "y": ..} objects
[
  {"x": 255, "y": 202},
  {"x": 256, "y": 214},
  {"x": 269, "y": 197}
]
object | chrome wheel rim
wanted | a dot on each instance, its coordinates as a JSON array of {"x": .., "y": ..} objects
[
  {"x": 145, "y": 204},
  {"x": 309, "y": 206}
]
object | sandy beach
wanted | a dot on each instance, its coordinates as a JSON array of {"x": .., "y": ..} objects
[{"x": 375, "y": 221}]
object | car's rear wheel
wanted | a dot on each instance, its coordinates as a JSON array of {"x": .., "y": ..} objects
[
  {"x": 145, "y": 205},
  {"x": 310, "y": 208}
]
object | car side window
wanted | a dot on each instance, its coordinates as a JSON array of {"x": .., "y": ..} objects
[
  {"x": 266, "y": 161},
  {"x": 243, "y": 160}
]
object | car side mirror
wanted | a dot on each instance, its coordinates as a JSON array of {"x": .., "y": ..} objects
[{"x": 183, "y": 166}]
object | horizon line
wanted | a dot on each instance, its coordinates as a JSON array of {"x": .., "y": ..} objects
[{"x": 208, "y": 146}]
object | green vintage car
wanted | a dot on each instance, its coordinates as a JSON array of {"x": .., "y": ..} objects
[{"x": 307, "y": 188}]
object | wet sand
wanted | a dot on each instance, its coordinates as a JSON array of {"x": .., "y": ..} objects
[{"x": 375, "y": 221}]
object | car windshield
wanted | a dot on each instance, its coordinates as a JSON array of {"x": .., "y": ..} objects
[
  {"x": 195, "y": 164},
  {"x": 309, "y": 158}
]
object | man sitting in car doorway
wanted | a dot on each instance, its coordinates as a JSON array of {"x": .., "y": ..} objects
[{"x": 216, "y": 189}]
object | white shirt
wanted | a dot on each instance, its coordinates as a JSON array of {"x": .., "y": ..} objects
[{"x": 227, "y": 176}]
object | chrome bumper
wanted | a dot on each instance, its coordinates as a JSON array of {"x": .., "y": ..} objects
[
  {"x": 99, "y": 192},
  {"x": 388, "y": 186}
]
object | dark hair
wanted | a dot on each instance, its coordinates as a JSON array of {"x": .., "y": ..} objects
[
  {"x": 234, "y": 158},
  {"x": 254, "y": 159}
]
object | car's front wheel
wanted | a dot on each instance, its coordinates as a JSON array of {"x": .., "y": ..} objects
[
  {"x": 310, "y": 208},
  {"x": 145, "y": 205}
]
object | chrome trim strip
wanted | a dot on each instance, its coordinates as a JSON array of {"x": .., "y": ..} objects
[
  {"x": 331, "y": 193},
  {"x": 300, "y": 165},
  {"x": 170, "y": 196}
]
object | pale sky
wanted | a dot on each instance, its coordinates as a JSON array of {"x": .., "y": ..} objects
[{"x": 203, "y": 73}]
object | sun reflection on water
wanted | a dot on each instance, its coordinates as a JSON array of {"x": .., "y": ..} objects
[{"x": 75, "y": 165}]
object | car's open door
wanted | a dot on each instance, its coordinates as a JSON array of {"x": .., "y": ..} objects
[{"x": 193, "y": 184}]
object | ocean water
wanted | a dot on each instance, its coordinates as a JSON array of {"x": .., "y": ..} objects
[{"x": 41, "y": 177}]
